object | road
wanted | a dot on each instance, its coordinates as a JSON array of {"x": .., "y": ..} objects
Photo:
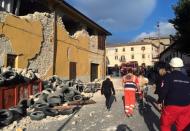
[{"x": 95, "y": 117}]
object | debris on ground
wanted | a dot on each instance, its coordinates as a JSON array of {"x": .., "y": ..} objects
[{"x": 58, "y": 99}]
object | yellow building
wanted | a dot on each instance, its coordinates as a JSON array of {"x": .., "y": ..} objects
[
  {"x": 62, "y": 42},
  {"x": 142, "y": 52}
]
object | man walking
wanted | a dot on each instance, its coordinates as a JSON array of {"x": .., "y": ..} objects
[
  {"x": 107, "y": 90},
  {"x": 131, "y": 84},
  {"x": 175, "y": 94}
]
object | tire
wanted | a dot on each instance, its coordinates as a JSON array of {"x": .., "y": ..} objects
[
  {"x": 59, "y": 89},
  {"x": 36, "y": 95},
  {"x": 75, "y": 91},
  {"x": 54, "y": 99},
  {"x": 17, "y": 112},
  {"x": 68, "y": 94},
  {"x": 30, "y": 102},
  {"x": 23, "y": 103},
  {"x": 6, "y": 117},
  {"x": 66, "y": 112},
  {"x": 77, "y": 97},
  {"x": 43, "y": 96},
  {"x": 49, "y": 90},
  {"x": 46, "y": 92},
  {"x": 87, "y": 90},
  {"x": 50, "y": 112},
  {"x": 37, "y": 115},
  {"x": 10, "y": 77},
  {"x": 40, "y": 101},
  {"x": 40, "y": 106}
]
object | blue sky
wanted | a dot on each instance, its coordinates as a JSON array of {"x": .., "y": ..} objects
[{"x": 129, "y": 20}]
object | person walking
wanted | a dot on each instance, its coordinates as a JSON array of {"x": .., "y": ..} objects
[
  {"x": 107, "y": 90},
  {"x": 131, "y": 83},
  {"x": 175, "y": 94}
]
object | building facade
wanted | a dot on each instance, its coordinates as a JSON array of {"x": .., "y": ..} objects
[
  {"x": 172, "y": 51},
  {"x": 162, "y": 43},
  {"x": 142, "y": 52},
  {"x": 53, "y": 38}
]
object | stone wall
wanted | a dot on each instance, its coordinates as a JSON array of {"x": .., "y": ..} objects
[
  {"x": 5, "y": 48},
  {"x": 43, "y": 61}
]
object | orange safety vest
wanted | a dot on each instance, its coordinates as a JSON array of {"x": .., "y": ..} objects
[{"x": 130, "y": 82}]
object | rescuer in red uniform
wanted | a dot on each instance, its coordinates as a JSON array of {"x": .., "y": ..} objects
[
  {"x": 175, "y": 94},
  {"x": 131, "y": 83}
]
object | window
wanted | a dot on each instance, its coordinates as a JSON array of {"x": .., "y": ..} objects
[
  {"x": 116, "y": 57},
  {"x": 122, "y": 58},
  {"x": 11, "y": 60},
  {"x": 132, "y": 56},
  {"x": 101, "y": 42},
  {"x": 116, "y": 50},
  {"x": 143, "y": 56},
  {"x": 123, "y": 49},
  {"x": 132, "y": 49},
  {"x": 142, "y": 48}
]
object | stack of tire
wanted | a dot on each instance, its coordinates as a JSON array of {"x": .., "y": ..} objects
[
  {"x": 7, "y": 116},
  {"x": 92, "y": 87},
  {"x": 55, "y": 93}
]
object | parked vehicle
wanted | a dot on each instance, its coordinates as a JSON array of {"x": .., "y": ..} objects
[{"x": 125, "y": 66}]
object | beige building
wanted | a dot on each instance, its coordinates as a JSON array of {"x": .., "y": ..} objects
[
  {"x": 162, "y": 43},
  {"x": 142, "y": 52}
]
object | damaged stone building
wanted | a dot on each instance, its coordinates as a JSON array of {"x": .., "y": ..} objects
[{"x": 52, "y": 37}]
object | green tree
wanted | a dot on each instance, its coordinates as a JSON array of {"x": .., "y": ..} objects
[{"x": 181, "y": 23}]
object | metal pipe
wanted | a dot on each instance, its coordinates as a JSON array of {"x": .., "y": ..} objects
[{"x": 55, "y": 42}]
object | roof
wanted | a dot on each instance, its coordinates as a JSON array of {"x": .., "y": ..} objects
[
  {"x": 155, "y": 38},
  {"x": 128, "y": 44},
  {"x": 72, "y": 11},
  {"x": 167, "y": 49}
]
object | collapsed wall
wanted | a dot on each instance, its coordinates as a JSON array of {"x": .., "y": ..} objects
[{"x": 43, "y": 60}]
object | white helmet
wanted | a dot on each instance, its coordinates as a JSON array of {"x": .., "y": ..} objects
[{"x": 176, "y": 62}]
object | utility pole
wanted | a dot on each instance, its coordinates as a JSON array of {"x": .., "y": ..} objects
[{"x": 158, "y": 31}]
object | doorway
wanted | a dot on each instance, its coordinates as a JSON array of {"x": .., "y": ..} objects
[
  {"x": 94, "y": 72},
  {"x": 72, "y": 70}
]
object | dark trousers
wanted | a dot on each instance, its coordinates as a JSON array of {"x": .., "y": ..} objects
[{"x": 108, "y": 104}]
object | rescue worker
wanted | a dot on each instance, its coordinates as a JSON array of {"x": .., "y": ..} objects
[
  {"x": 162, "y": 70},
  {"x": 175, "y": 94},
  {"x": 107, "y": 90},
  {"x": 130, "y": 82}
]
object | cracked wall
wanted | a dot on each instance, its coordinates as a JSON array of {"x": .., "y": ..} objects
[
  {"x": 25, "y": 37},
  {"x": 31, "y": 37},
  {"x": 43, "y": 61}
]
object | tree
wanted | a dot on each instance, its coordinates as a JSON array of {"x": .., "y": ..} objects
[{"x": 181, "y": 23}]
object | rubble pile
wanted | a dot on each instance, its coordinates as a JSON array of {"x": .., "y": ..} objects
[
  {"x": 58, "y": 98},
  {"x": 10, "y": 76}
]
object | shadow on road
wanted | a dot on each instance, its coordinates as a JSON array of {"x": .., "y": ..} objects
[
  {"x": 123, "y": 127},
  {"x": 152, "y": 100},
  {"x": 150, "y": 117},
  {"x": 69, "y": 119}
]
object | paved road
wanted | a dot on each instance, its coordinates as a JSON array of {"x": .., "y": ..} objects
[{"x": 96, "y": 118}]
